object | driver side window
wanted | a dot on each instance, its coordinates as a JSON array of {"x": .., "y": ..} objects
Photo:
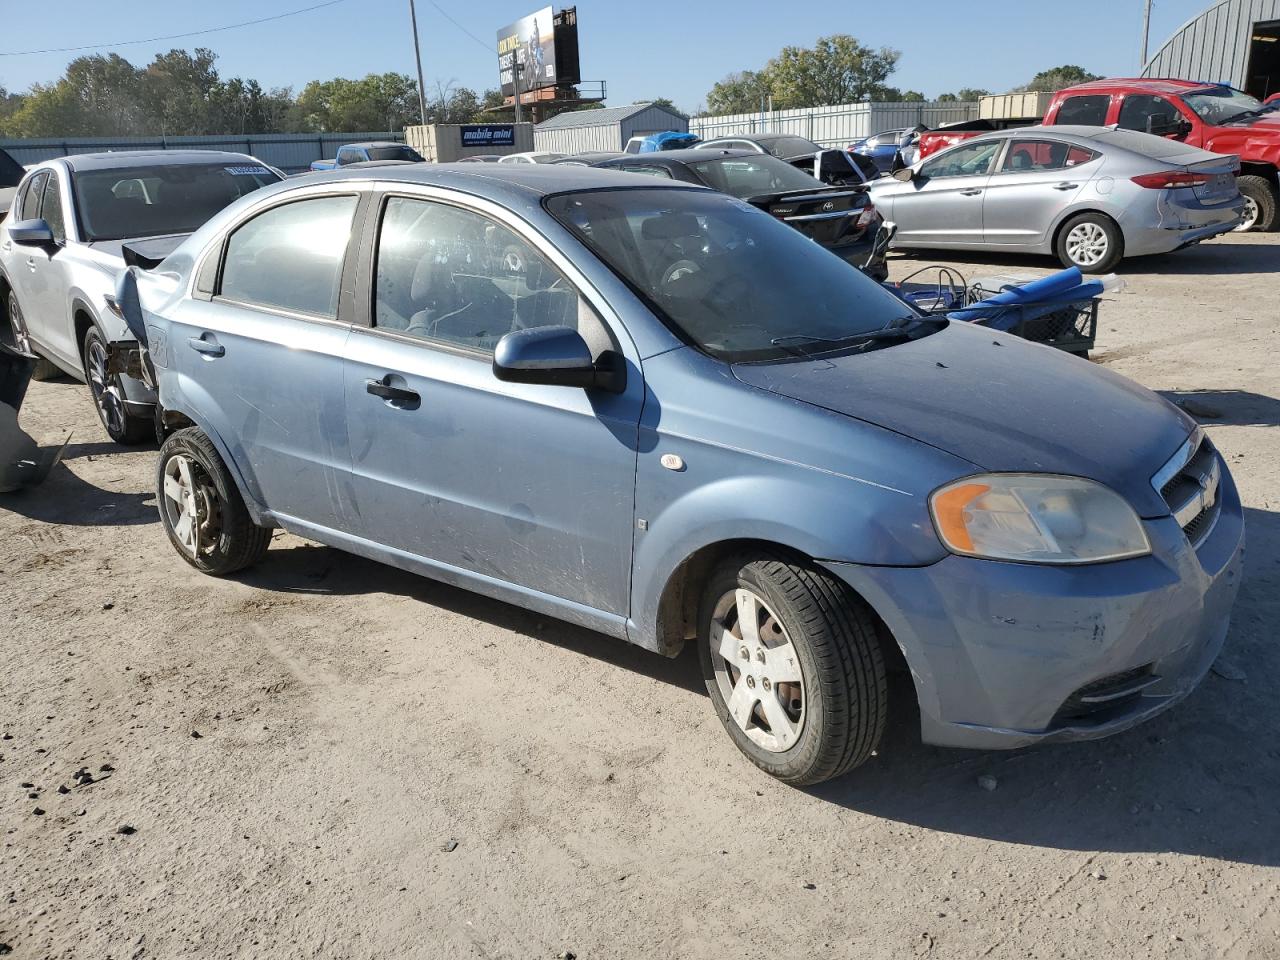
[
  {"x": 966, "y": 160},
  {"x": 455, "y": 277}
]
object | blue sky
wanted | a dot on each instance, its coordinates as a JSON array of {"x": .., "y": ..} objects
[{"x": 671, "y": 48}]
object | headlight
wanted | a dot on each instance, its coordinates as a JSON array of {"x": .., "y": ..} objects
[{"x": 1036, "y": 518}]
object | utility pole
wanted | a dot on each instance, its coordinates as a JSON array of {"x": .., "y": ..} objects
[
  {"x": 417, "y": 55},
  {"x": 1146, "y": 34},
  {"x": 516, "y": 68}
]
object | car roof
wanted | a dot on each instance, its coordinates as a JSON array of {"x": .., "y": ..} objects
[
  {"x": 689, "y": 155},
  {"x": 140, "y": 158},
  {"x": 365, "y": 144},
  {"x": 510, "y": 182},
  {"x": 1144, "y": 85}
]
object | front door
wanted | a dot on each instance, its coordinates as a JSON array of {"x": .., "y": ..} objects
[
  {"x": 1036, "y": 182},
  {"x": 266, "y": 353},
  {"x": 943, "y": 204},
  {"x": 522, "y": 484}
]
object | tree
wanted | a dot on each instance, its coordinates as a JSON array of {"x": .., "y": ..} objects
[
  {"x": 837, "y": 69},
  {"x": 743, "y": 92},
  {"x": 1058, "y": 78},
  {"x": 386, "y": 101},
  {"x": 964, "y": 95},
  {"x": 665, "y": 102}
]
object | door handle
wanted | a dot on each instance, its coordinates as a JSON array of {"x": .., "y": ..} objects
[
  {"x": 1065, "y": 186},
  {"x": 392, "y": 394},
  {"x": 209, "y": 348},
  {"x": 971, "y": 193},
  {"x": 31, "y": 264}
]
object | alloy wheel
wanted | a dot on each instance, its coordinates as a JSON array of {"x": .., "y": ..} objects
[
  {"x": 105, "y": 388},
  {"x": 1087, "y": 244},
  {"x": 757, "y": 671},
  {"x": 191, "y": 505},
  {"x": 18, "y": 326},
  {"x": 1251, "y": 212}
]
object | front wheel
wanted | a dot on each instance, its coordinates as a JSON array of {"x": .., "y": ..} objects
[
  {"x": 107, "y": 391},
  {"x": 201, "y": 508},
  {"x": 1092, "y": 242},
  {"x": 792, "y": 662}
]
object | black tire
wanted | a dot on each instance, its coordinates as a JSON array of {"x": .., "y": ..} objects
[
  {"x": 16, "y": 337},
  {"x": 1262, "y": 193},
  {"x": 835, "y": 638},
  {"x": 107, "y": 393},
  {"x": 229, "y": 539},
  {"x": 1103, "y": 228}
]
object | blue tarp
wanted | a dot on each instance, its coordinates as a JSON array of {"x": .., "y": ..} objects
[{"x": 1007, "y": 309}]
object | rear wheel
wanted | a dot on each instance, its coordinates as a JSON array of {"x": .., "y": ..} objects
[
  {"x": 19, "y": 339},
  {"x": 1092, "y": 242},
  {"x": 201, "y": 508},
  {"x": 1259, "y": 204},
  {"x": 792, "y": 663},
  {"x": 107, "y": 391}
]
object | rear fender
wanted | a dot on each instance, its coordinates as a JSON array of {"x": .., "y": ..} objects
[{"x": 182, "y": 395}]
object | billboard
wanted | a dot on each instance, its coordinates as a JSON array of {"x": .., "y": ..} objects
[
  {"x": 530, "y": 42},
  {"x": 488, "y": 135}
]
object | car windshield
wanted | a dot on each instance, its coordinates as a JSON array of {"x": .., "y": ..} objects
[
  {"x": 394, "y": 153},
  {"x": 790, "y": 146},
  {"x": 1221, "y": 104},
  {"x": 726, "y": 277},
  {"x": 753, "y": 176},
  {"x": 160, "y": 200}
]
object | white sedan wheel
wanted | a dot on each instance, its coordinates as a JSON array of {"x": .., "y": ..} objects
[{"x": 1087, "y": 244}]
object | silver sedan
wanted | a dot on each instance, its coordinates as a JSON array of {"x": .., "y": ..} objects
[{"x": 1089, "y": 195}]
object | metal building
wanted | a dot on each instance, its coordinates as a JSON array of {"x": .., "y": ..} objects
[
  {"x": 583, "y": 131},
  {"x": 1234, "y": 41}
]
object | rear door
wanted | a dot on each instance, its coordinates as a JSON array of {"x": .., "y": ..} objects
[
  {"x": 518, "y": 484},
  {"x": 262, "y": 351},
  {"x": 943, "y": 204},
  {"x": 1037, "y": 180}
]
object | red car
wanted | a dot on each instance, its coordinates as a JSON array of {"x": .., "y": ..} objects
[{"x": 1213, "y": 117}]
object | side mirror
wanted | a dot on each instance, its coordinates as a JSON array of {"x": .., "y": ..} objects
[
  {"x": 905, "y": 174},
  {"x": 32, "y": 233},
  {"x": 558, "y": 357}
]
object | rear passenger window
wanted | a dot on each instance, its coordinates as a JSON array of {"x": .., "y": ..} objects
[
  {"x": 456, "y": 277},
  {"x": 1140, "y": 110},
  {"x": 1084, "y": 111},
  {"x": 291, "y": 256},
  {"x": 1029, "y": 156}
]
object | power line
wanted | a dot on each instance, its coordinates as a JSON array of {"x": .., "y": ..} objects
[
  {"x": 444, "y": 13},
  {"x": 172, "y": 36}
]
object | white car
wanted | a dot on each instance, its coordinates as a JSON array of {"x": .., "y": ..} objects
[
  {"x": 532, "y": 156},
  {"x": 63, "y": 244}
]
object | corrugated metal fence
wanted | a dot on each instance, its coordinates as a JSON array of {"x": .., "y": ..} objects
[
  {"x": 291, "y": 152},
  {"x": 836, "y": 126}
]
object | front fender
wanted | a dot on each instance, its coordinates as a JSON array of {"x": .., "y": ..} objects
[{"x": 180, "y": 394}]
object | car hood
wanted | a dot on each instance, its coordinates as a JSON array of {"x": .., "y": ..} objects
[
  {"x": 999, "y": 402},
  {"x": 152, "y": 247}
]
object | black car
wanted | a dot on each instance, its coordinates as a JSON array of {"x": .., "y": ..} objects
[
  {"x": 590, "y": 159},
  {"x": 842, "y": 219},
  {"x": 830, "y": 166}
]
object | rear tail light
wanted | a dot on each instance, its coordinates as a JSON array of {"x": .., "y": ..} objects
[
  {"x": 1172, "y": 179},
  {"x": 867, "y": 216}
]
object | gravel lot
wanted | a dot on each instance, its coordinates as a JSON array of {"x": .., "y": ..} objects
[{"x": 280, "y": 765}]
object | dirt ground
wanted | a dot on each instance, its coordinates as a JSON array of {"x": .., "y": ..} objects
[{"x": 281, "y": 764}]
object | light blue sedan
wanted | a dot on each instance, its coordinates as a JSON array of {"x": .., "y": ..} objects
[{"x": 658, "y": 412}]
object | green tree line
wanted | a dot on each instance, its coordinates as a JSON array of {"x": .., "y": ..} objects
[
  {"x": 841, "y": 69},
  {"x": 181, "y": 94}
]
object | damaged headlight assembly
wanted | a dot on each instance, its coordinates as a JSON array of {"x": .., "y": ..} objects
[{"x": 1036, "y": 518}]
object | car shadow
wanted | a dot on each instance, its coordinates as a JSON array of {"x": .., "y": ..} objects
[
  {"x": 1201, "y": 779},
  {"x": 312, "y": 568},
  {"x": 1229, "y": 254},
  {"x": 67, "y": 499},
  {"x": 1241, "y": 408}
]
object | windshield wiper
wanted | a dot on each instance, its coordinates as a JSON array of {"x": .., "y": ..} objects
[
  {"x": 1242, "y": 115},
  {"x": 900, "y": 328}
]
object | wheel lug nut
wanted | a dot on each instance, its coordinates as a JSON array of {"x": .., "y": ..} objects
[
  {"x": 765, "y": 683},
  {"x": 751, "y": 682},
  {"x": 743, "y": 654},
  {"x": 760, "y": 654}
]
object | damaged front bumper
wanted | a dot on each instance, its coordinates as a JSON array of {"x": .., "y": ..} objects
[{"x": 1005, "y": 655}]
